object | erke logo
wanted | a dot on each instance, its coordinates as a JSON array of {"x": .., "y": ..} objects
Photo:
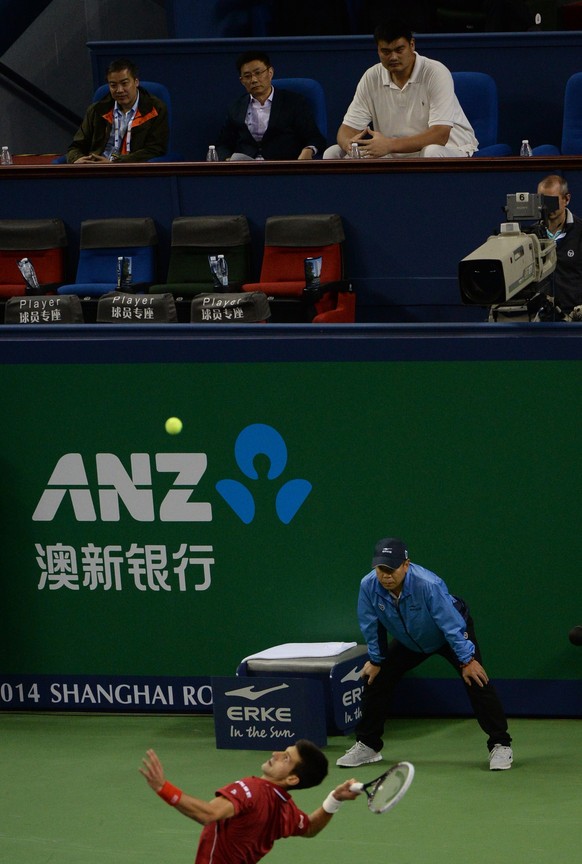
[
  {"x": 257, "y": 713},
  {"x": 353, "y": 675},
  {"x": 252, "y": 694}
]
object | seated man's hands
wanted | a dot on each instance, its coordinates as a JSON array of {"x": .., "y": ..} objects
[
  {"x": 92, "y": 157},
  {"x": 306, "y": 153},
  {"x": 373, "y": 145}
]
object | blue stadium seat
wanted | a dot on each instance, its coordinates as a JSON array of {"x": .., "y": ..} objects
[
  {"x": 311, "y": 90},
  {"x": 571, "y": 143},
  {"x": 102, "y": 242},
  {"x": 477, "y": 93}
]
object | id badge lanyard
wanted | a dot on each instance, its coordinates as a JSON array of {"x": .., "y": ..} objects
[
  {"x": 122, "y": 131},
  {"x": 120, "y": 134}
]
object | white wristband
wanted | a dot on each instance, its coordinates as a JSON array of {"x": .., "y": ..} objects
[{"x": 331, "y": 804}]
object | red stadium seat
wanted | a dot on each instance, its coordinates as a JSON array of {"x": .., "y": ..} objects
[
  {"x": 289, "y": 240},
  {"x": 43, "y": 242}
]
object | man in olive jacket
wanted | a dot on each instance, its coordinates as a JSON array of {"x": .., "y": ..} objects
[{"x": 128, "y": 125}]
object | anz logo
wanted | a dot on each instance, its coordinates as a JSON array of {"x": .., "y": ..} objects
[
  {"x": 69, "y": 480},
  {"x": 252, "y": 441}
]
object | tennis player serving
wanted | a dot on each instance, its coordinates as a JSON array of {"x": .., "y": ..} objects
[{"x": 244, "y": 819}]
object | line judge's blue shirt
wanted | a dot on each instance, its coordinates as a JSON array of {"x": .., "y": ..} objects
[{"x": 423, "y": 619}]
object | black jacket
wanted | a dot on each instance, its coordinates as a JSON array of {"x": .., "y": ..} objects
[
  {"x": 567, "y": 277},
  {"x": 291, "y": 128}
]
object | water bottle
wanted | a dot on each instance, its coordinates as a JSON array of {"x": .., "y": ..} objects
[
  {"x": 29, "y": 275},
  {"x": 355, "y": 151},
  {"x": 219, "y": 269},
  {"x": 5, "y": 158},
  {"x": 525, "y": 149},
  {"x": 212, "y": 155}
]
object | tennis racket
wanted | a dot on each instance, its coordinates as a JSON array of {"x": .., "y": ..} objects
[{"x": 387, "y": 790}]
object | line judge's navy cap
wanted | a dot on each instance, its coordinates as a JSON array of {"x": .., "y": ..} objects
[{"x": 389, "y": 552}]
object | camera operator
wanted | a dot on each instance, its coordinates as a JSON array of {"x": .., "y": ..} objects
[{"x": 565, "y": 228}]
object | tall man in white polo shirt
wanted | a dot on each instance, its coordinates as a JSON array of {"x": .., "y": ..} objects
[{"x": 404, "y": 106}]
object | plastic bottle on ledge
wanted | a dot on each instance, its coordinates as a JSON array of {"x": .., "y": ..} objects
[
  {"x": 5, "y": 158},
  {"x": 525, "y": 149},
  {"x": 212, "y": 155}
]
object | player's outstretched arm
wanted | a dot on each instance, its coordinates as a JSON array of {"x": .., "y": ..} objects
[
  {"x": 205, "y": 812},
  {"x": 201, "y": 811},
  {"x": 322, "y": 816}
]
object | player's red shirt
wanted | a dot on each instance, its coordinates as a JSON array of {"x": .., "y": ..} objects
[{"x": 264, "y": 812}]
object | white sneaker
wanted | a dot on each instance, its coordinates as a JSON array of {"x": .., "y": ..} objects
[
  {"x": 500, "y": 758},
  {"x": 359, "y": 754}
]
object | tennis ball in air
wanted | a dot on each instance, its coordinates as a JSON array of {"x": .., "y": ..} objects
[{"x": 173, "y": 425}]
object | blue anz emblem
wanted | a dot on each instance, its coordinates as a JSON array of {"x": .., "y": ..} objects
[{"x": 260, "y": 439}]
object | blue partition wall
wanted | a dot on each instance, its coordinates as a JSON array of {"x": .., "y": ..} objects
[{"x": 407, "y": 227}]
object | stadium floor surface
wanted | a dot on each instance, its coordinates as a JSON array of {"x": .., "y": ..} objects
[{"x": 71, "y": 793}]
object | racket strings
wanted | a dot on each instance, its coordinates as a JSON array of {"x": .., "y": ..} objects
[{"x": 389, "y": 788}]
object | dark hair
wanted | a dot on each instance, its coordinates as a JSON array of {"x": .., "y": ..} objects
[
  {"x": 120, "y": 64},
  {"x": 391, "y": 30},
  {"x": 313, "y": 767},
  {"x": 249, "y": 56}
]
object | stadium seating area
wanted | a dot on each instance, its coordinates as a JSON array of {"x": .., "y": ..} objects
[
  {"x": 117, "y": 257},
  {"x": 395, "y": 265}
]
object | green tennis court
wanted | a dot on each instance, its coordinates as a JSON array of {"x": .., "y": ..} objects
[{"x": 71, "y": 793}]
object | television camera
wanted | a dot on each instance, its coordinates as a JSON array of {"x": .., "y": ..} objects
[{"x": 512, "y": 269}]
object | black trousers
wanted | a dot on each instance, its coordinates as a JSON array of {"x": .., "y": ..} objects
[{"x": 399, "y": 660}]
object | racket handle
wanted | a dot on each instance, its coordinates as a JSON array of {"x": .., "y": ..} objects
[{"x": 357, "y": 787}]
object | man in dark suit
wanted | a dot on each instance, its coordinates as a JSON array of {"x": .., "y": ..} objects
[{"x": 268, "y": 122}]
